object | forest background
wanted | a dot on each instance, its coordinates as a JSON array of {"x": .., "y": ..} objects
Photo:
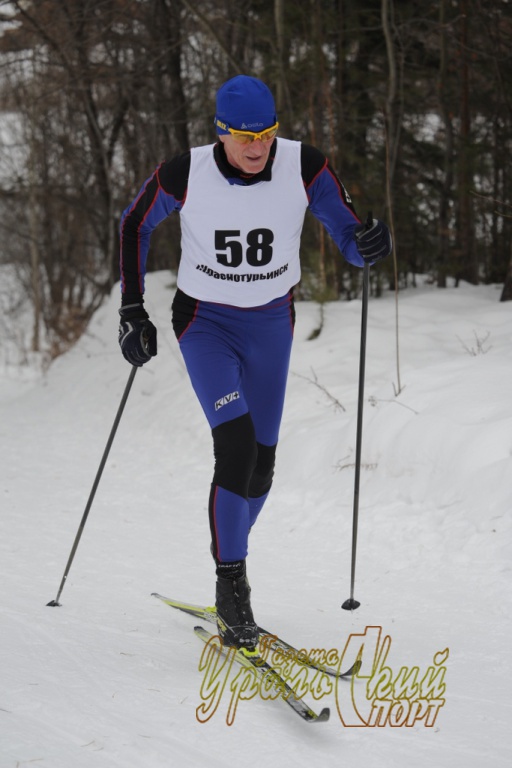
[{"x": 410, "y": 100}]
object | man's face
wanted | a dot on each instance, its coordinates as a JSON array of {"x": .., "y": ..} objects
[{"x": 248, "y": 158}]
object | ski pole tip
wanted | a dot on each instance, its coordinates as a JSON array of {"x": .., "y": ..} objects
[
  {"x": 350, "y": 604},
  {"x": 53, "y": 604}
]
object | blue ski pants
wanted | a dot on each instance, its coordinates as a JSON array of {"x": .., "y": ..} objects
[{"x": 237, "y": 360}]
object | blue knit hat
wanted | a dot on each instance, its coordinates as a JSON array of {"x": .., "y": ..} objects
[{"x": 246, "y": 104}]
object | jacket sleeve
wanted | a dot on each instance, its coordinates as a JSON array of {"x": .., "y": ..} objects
[
  {"x": 160, "y": 195},
  {"x": 330, "y": 202}
]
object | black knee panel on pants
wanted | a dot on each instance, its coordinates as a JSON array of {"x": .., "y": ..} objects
[
  {"x": 263, "y": 474},
  {"x": 236, "y": 453}
]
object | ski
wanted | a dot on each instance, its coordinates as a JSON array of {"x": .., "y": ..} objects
[
  {"x": 209, "y": 614},
  {"x": 263, "y": 670}
]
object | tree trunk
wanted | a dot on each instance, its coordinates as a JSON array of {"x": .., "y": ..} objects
[
  {"x": 468, "y": 265},
  {"x": 284, "y": 103},
  {"x": 34, "y": 250},
  {"x": 506, "y": 294},
  {"x": 173, "y": 36},
  {"x": 392, "y": 120},
  {"x": 33, "y": 223},
  {"x": 447, "y": 183}
]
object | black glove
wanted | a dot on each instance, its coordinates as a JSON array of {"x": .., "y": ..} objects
[
  {"x": 373, "y": 240},
  {"x": 137, "y": 335}
]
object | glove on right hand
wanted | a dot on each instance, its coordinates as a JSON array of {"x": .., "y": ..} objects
[{"x": 137, "y": 335}]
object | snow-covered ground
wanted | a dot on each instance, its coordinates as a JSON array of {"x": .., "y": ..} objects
[{"x": 111, "y": 678}]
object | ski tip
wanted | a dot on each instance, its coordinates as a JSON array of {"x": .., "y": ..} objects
[
  {"x": 323, "y": 716},
  {"x": 357, "y": 666},
  {"x": 351, "y": 672}
]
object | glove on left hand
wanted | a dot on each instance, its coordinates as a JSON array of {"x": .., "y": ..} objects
[
  {"x": 137, "y": 335},
  {"x": 373, "y": 240}
]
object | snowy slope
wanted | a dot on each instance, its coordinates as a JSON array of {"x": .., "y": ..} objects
[{"x": 111, "y": 678}]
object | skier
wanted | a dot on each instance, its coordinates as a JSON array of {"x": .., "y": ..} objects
[{"x": 242, "y": 202}]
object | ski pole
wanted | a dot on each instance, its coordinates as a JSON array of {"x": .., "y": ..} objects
[
  {"x": 351, "y": 604},
  {"x": 54, "y": 603}
]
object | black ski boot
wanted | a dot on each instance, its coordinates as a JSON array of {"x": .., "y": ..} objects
[{"x": 235, "y": 622}]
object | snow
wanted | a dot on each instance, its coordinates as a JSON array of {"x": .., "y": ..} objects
[{"x": 111, "y": 678}]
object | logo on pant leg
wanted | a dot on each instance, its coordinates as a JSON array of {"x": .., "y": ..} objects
[{"x": 226, "y": 399}]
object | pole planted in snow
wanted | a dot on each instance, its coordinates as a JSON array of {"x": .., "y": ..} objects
[{"x": 55, "y": 603}]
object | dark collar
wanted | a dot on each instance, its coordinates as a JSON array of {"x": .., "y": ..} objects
[{"x": 236, "y": 176}]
